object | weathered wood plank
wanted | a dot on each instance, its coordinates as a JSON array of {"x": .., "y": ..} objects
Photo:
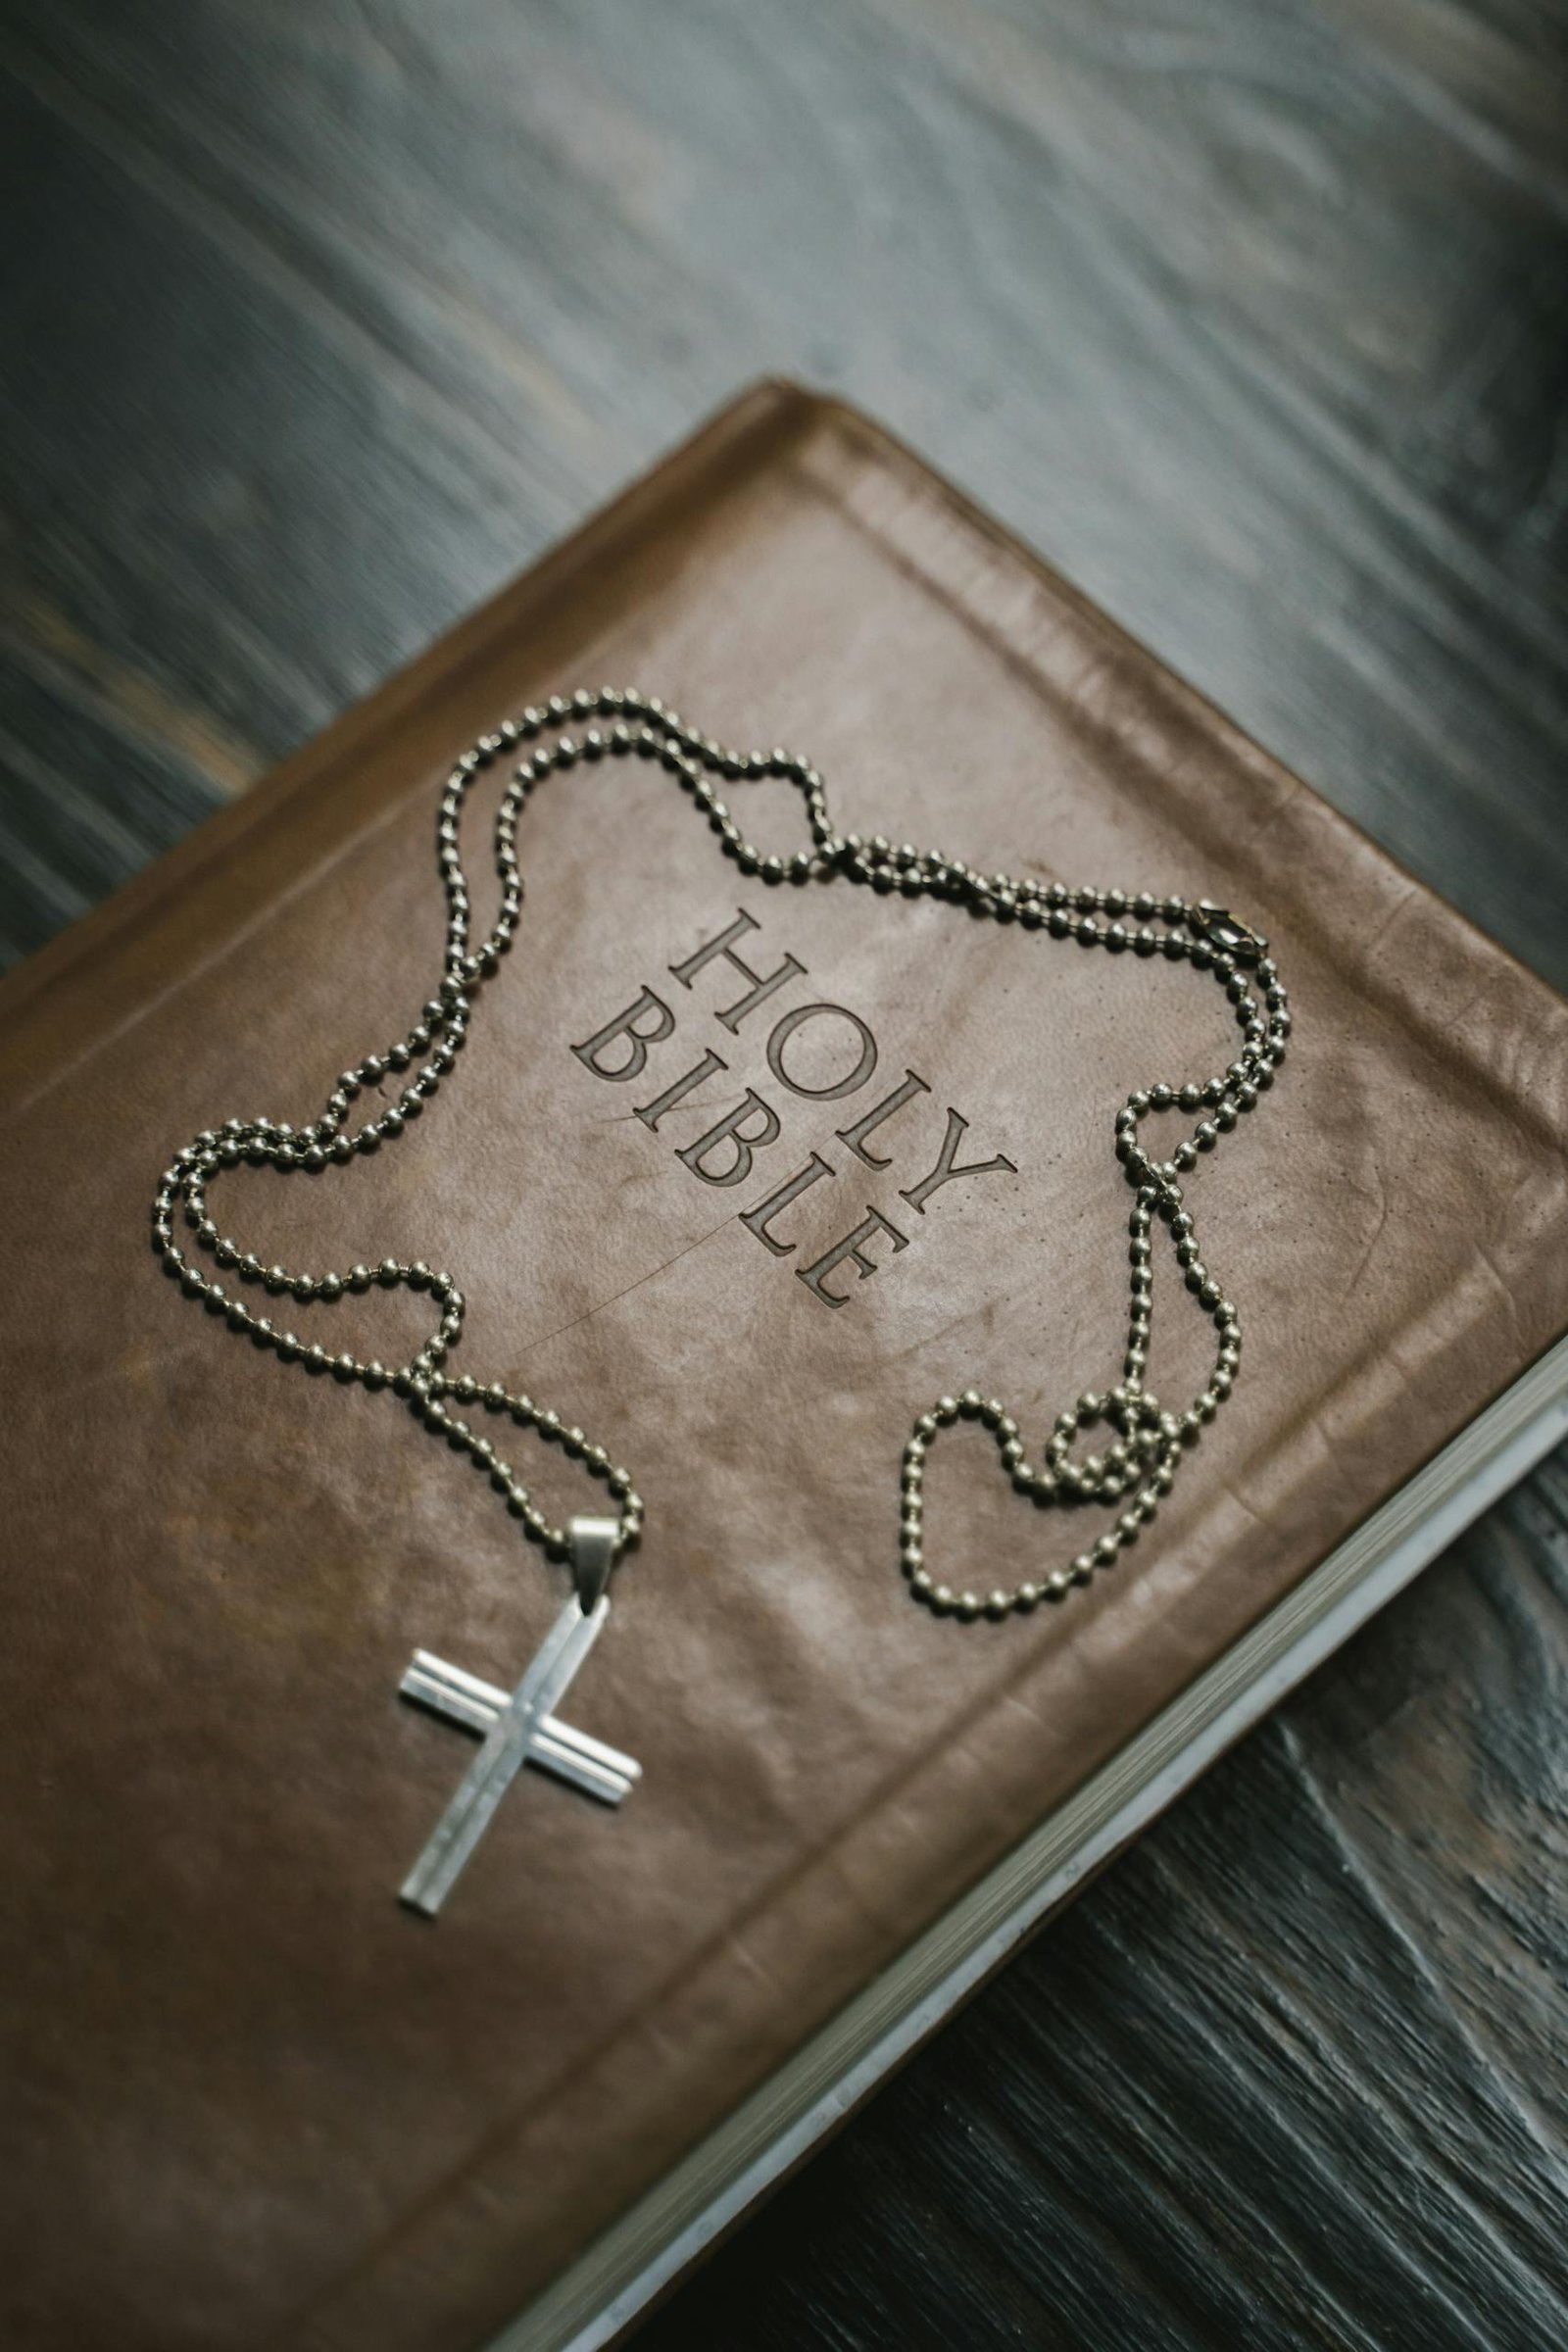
[
  {"x": 1220, "y": 308},
  {"x": 323, "y": 320}
]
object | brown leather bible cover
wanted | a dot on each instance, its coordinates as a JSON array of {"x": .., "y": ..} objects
[{"x": 250, "y": 2100}]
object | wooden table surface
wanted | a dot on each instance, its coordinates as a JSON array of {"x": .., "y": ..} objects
[{"x": 323, "y": 318}]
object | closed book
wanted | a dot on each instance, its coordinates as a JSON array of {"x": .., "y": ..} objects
[{"x": 252, "y": 2098}]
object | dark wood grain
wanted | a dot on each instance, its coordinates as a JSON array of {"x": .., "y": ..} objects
[{"x": 321, "y": 319}]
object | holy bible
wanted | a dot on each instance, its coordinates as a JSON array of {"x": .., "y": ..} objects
[{"x": 252, "y": 2099}]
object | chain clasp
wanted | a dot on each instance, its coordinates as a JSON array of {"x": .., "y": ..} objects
[{"x": 1219, "y": 928}]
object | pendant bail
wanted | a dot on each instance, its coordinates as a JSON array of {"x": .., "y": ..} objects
[{"x": 593, "y": 1555}]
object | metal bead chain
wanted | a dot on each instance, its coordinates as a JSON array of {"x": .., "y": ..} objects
[{"x": 1136, "y": 1468}]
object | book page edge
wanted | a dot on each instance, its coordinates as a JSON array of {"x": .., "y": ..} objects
[{"x": 613, "y": 2284}]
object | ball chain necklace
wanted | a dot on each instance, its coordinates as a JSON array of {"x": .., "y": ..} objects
[{"x": 1135, "y": 1468}]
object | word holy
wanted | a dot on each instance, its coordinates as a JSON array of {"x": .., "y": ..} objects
[{"x": 727, "y": 1153}]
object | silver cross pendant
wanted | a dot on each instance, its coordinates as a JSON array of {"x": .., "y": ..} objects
[{"x": 520, "y": 1727}]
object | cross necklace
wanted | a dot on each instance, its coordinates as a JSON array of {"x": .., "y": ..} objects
[
  {"x": 519, "y": 1729},
  {"x": 1131, "y": 1472}
]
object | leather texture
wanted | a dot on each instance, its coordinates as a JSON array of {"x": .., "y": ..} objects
[{"x": 251, "y": 2101}]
